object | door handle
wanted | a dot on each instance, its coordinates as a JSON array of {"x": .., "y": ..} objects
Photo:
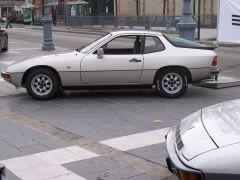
[{"x": 135, "y": 60}]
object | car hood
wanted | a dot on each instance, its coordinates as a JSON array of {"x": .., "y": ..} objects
[
  {"x": 60, "y": 61},
  {"x": 222, "y": 122},
  {"x": 194, "y": 138},
  {"x": 209, "y": 129}
]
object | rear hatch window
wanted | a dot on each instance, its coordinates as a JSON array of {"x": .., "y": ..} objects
[{"x": 183, "y": 43}]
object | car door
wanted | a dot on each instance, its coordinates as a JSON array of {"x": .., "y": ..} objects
[{"x": 121, "y": 62}]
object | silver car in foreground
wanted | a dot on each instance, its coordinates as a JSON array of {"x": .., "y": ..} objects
[
  {"x": 121, "y": 59},
  {"x": 206, "y": 144}
]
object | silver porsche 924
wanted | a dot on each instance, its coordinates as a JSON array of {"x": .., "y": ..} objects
[{"x": 122, "y": 59}]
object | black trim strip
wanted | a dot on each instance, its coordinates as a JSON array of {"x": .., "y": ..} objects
[
  {"x": 236, "y": 24},
  {"x": 113, "y": 70},
  {"x": 237, "y": 16},
  {"x": 236, "y": 20}
]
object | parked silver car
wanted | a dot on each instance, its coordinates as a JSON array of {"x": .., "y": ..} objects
[
  {"x": 140, "y": 59},
  {"x": 206, "y": 144}
]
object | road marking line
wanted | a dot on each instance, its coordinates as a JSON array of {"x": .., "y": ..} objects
[
  {"x": 139, "y": 140},
  {"x": 7, "y": 62},
  {"x": 66, "y": 155},
  {"x": 48, "y": 165},
  {"x": 1, "y": 79},
  {"x": 47, "y": 172}
]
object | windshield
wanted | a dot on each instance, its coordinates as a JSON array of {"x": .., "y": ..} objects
[
  {"x": 180, "y": 42},
  {"x": 95, "y": 42}
]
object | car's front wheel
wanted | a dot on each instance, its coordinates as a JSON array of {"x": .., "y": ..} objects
[
  {"x": 172, "y": 83},
  {"x": 42, "y": 84}
]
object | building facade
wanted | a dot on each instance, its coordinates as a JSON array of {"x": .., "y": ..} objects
[
  {"x": 162, "y": 7},
  {"x": 7, "y": 7}
]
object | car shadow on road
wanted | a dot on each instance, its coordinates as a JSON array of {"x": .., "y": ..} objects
[{"x": 107, "y": 93}]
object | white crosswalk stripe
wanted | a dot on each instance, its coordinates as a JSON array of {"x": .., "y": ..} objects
[
  {"x": 139, "y": 140},
  {"x": 48, "y": 165}
]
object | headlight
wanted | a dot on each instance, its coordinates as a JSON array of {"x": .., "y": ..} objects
[
  {"x": 6, "y": 76},
  {"x": 184, "y": 175}
]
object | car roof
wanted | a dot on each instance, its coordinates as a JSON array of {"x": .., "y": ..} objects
[{"x": 135, "y": 32}]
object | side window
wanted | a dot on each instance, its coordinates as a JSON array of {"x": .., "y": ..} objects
[
  {"x": 123, "y": 45},
  {"x": 153, "y": 44}
]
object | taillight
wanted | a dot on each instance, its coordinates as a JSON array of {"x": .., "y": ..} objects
[
  {"x": 215, "y": 61},
  {"x": 184, "y": 175}
]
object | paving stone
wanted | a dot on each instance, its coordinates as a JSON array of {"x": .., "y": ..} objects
[
  {"x": 20, "y": 141},
  {"x": 144, "y": 177},
  {"x": 7, "y": 151},
  {"x": 114, "y": 174},
  {"x": 34, "y": 148},
  {"x": 155, "y": 153},
  {"x": 91, "y": 166}
]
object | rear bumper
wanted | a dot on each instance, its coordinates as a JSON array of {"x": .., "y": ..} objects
[{"x": 173, "y": 162}]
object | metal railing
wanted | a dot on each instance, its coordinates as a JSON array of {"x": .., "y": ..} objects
[{"x": 164, "y": 23}]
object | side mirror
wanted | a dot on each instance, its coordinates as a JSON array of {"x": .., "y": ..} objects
[{"x": 100, "y": 53}]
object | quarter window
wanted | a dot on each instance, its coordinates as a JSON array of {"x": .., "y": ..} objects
[{"x": 153, "y": 44}]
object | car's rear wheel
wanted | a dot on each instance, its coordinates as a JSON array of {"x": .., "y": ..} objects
[
  {"x": 42, "y": 84},
  {"x": 172, "y": 83}
]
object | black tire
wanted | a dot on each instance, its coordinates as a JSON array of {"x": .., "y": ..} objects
[
  {"x": 45, "y": 76},
  {"x": 166, "y": 88}
]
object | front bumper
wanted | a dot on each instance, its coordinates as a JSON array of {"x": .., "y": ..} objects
[{"x": 174, "y": 164}]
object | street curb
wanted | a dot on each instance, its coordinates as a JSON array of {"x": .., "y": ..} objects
[{"x": 69, "y": 30}]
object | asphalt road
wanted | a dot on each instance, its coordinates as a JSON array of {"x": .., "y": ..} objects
[{"x": 103, "y": 116}]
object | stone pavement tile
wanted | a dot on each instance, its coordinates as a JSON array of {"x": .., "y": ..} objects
[
  {"x": 9, "y": 130},
  {"x": 115, "y": 174},
  {"x": 101, "y": 168},
  {"x": 19, "y": 141},
  {"x": 34, "y": 148},
  {"x": 155, "y": 153},
  {"x": 7, "y": 151},
  {"x": 91, "y": 166},
  {"x": 45, "y": 140},
  {"x": 144, "y": 177}
]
